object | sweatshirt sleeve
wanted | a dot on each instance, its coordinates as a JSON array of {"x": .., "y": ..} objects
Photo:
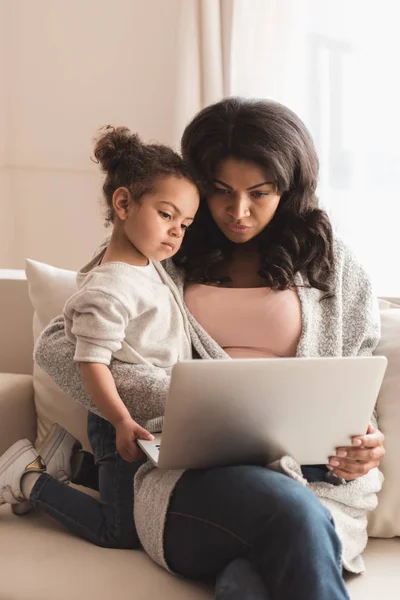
[
  {"x": 98, "y": 322},
  {"x": 143, "y": 388}
]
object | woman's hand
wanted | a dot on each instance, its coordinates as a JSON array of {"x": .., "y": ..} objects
[{"x": 365, "y": 454}]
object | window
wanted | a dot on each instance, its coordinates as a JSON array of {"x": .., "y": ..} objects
[{"x": 336, "y": 65}]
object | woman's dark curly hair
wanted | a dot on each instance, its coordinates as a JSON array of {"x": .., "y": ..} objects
[
  {"x": 299, "y": 237},
  {"x": 130, "y": 163}
]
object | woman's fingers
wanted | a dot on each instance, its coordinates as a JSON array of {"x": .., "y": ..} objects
[
  {"x": 357, "y": 460},
  {"x": 346, "y": 474},
  {"x": 351, "y": 469},
  {"x": 371, "y": 439},
  {"x": 360, "y": 454},
  {"x": 350, "y": 466}
]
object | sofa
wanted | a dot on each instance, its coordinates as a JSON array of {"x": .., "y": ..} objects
[{"x": 40, "y": 560}]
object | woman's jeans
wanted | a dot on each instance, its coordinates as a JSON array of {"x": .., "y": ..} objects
[
  {"x": 108, "y": 522},
  {"x": 259, "y": 532}
]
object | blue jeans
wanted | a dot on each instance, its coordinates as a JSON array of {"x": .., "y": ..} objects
[
  {"x": 261, "y": 534},
  {"x": 108, "y": 522}
]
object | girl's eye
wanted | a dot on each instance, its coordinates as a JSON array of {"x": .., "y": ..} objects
[
  {"x": 165, "y": 215},
  {"x": 185, "y": 227}
]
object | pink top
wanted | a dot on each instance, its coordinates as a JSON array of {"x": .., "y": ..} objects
[{"x": 248, "y": 322}]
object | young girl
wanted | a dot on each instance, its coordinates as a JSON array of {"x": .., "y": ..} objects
[{"x": 126, "y": 308}]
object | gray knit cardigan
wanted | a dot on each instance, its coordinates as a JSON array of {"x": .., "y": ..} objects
[{"x": 344, "y": 325}]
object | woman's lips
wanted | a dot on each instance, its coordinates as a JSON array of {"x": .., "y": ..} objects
[{"x": 237, "y": 228}]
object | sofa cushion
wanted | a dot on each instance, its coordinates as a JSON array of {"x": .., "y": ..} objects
[
  {"x": 56, "y": 565},
  {"x": 41, "y": 560},
  {"x": 385, "y": 520},
  {"x": 49, "y": 289},
  {"x": 17, "y": 410},
  {"x": 15, "y": 322}
]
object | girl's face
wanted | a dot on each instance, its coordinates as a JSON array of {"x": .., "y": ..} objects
[
  {"x": 244, "y": 199},
  {"x": 156, "y": 224}
]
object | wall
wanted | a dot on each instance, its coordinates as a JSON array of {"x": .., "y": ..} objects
[
  {"x": 67, "y": 69},
  {"x": 6, "y": 214}
]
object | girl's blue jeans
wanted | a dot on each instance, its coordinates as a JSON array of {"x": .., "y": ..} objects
[{"x": 108, "y": 522}]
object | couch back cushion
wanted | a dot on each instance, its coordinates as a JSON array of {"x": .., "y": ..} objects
[
  {"x": 49, "y": 289},
  {"x": 385, "y": 520}
]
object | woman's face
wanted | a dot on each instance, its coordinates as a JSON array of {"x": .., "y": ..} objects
[{"x": 244, "y": 199}]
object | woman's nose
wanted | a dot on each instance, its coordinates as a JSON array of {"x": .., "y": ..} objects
[{"x": 238, "y": 209}]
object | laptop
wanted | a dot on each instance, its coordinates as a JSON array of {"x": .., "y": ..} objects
[{"x": 254, "y": 411}]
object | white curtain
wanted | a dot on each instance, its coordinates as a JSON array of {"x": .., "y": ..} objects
[
  {"x": 336, "y": 65},
  {"x": 204, "y": 50}
]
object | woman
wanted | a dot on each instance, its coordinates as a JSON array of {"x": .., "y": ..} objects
[{"x": 258, "y": 228}]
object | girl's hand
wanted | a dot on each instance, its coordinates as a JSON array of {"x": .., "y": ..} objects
[
  {"x": 127, "y": 431},
  {"x": 365, "y": 454}
]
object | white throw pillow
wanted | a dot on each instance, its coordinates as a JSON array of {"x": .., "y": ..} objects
[
  {"x": 384, "y": 521},
  {"x": 49, "y": 289}
]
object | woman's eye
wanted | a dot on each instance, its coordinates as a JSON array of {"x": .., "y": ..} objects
[
  {"x": 222, "y": 191},
  {"x": 259, "y": 194},
  {"x": 184, "y": 227},
  {"x": 165, "y": 215}
]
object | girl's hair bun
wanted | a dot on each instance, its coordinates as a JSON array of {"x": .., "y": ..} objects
[
  {"x": 128, "y": 162},
  {"x": 116, "y": 147}
]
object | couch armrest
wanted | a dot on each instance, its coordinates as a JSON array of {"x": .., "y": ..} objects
[
  {"x": 16, "y": 316},
  {"x": 17, "y": 409},
  {"x": 391, "y": 299}
]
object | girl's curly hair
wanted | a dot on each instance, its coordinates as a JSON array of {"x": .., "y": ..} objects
[
  {"x": 128, "y": 162},
  {"x": 266, "y": 133}
]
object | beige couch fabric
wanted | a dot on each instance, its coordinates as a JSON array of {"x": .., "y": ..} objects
[
  {"x": 17, "y": 412},
  {"x": 384, "y": 521},
  {"x": 44, "y": 562},
  {"x": 40, "y": 560},
  {"x": 15, "y": 323}
]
